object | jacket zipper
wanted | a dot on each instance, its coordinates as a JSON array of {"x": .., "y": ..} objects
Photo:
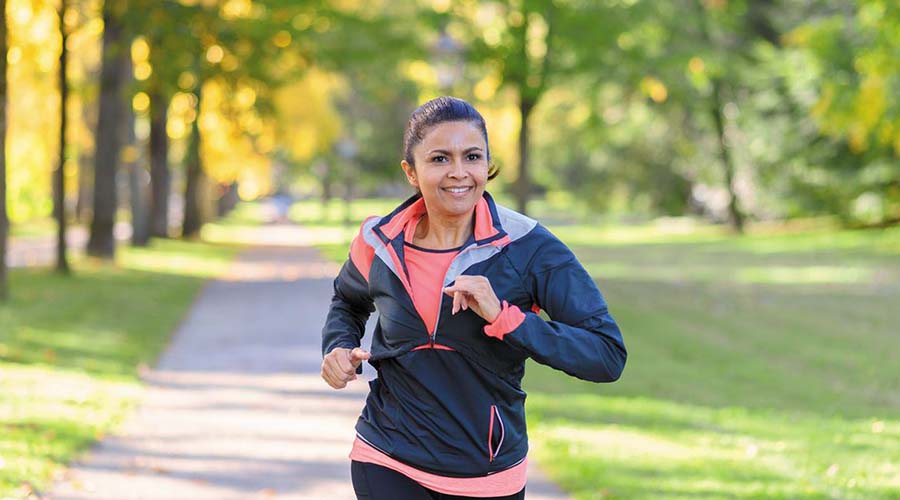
[{"x": 437, "y": 321}]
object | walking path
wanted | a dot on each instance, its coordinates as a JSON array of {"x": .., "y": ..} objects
[
  {"x": 235, "y": 408},
  {"x": 31, "y": 251}
]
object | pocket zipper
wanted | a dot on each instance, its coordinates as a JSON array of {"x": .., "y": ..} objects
[{"x": 495, "y": 415}]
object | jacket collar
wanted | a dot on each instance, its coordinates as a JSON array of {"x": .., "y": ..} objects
[{"x": 488, "y": 229}]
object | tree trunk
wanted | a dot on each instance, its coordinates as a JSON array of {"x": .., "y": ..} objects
[
  {"x": 138, "y": 196},
  {"x": 159, "y": 166},
  {"x": 736, "y": 216},
  {"x": 109, "y": 137},
  {"x": 59, "y": 184},
  {"x": 192, "y": 217},
  {"x": 228, "y": 200},
  {"x": 523, "y": 183},
  {"x": 4, "y": 222},
  {"x": 85, "y": 183}
]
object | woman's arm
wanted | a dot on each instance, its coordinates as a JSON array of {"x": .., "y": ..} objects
[
  {"x": 350, "y": 308},
  {"x": 582, "y": 338}
]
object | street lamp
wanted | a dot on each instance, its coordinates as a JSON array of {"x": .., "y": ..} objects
[{"x": 447, "y": 54}]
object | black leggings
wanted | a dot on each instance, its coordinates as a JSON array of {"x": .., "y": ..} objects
[{"x": 374, "y": 482}]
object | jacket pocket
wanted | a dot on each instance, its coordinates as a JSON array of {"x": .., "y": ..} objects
[{"x": 496, "y": 433}]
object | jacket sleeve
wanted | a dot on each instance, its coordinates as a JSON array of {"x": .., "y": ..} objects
[
  {"x": 350, "y": 308},
  {"x": 581, "y": 339}
]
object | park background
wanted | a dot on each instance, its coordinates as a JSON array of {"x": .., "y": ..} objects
[{"x": 728, "y": 170}]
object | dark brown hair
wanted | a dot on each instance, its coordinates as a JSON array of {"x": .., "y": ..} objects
[{"x": 441, "y": 110}]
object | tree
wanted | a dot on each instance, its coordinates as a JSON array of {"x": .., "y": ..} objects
[
  {"x": 4, "y": 220},
  {"x": 194, "y": 169},
  {"x": 534, "y": 44},
  {"x": 59, "y": 185},
  {"x": 853, "y": 47},
  {"x": 110, "y": 131}
]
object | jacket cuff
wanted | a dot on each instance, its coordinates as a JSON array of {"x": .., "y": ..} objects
[{"x": 509, "y": 319}]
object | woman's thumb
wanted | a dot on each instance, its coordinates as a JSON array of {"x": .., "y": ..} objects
[{"x": 358, "y": 354}]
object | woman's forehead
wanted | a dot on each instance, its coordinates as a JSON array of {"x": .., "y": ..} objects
[{"x": 453, "y": 136}]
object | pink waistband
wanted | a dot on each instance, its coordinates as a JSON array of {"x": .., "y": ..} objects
[{"x": 504, "y": 483}]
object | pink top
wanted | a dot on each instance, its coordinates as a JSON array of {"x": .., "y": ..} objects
[
  {"x": 500, "y": 484},
  {"x": 426, "y": 278},
  {"x": 427, "y": 269}
]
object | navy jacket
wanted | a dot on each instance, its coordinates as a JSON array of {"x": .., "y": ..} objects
[{"x": 448, "y": 398}]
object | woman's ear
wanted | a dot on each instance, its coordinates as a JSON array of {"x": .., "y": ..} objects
[{"x": 410, "y": 172}]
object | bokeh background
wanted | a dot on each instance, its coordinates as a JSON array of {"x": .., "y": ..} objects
[{"x": 728, "y": 170}]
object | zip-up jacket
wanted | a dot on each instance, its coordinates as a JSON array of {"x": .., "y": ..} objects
[{"x": 448, "y": 397}]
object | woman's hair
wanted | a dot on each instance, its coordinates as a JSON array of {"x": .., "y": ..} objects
[{"x": 441, "y": 110}]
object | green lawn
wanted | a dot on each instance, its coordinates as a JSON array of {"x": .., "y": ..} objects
[
  {"x": 71, "y": 350},
  {"x": 763, "y": 366},
  {"x": 760, "y": 366}
]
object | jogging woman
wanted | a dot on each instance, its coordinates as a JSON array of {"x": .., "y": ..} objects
[{"x": 458, "y": 282}]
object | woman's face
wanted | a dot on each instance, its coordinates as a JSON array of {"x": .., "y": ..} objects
[{"x": 451, "y": 168}]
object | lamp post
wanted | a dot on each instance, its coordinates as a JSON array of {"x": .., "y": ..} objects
[
  {"x": 447, "y": 54},
  {"x": 346, "y": 148}
]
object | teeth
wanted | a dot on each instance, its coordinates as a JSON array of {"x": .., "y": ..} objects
[{"x": 457, "y": 190}]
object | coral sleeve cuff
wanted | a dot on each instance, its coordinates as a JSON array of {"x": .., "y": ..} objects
[{"x": 509, "y": 319}]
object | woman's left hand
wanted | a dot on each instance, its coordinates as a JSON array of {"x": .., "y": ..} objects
[{"x": 475, "y": 292}]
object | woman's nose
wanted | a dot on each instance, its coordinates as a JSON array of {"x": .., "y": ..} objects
[{"x": 458, "y": 169}]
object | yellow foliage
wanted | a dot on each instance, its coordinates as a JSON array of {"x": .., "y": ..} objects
[
  {"x": 486, "y": 87},
  {"x": 824, "y": 103},
  {"x": 140, "y": 102},
  {"x": 308, "y": 123},
  {"x": 215, "y": 54},
  {"x": 229, "y": 151},
  {"x": 501, "y": 115},
  {"x": 695, "y": 65},
  {"x": 654, "y": 88},
  {"x": 857, "y": 138},
  {"x": 140, "y": 50},
  {"x": 871, "y": 101},
  {"x": 32, "y": 106},
  {"x": 421, "y": 72}
]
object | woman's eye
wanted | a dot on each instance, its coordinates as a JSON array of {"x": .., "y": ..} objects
[
  {"x": 439, "y": 158},
  {"x": 473, "y": 156}
]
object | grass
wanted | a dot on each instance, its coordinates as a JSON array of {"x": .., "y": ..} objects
[
  {"x": 44, "y": 226},
  {"x": 71, "y": 350},
  {"x": 761, "y": 366}
]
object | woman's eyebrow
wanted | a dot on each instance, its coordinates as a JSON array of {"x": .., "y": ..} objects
[{"x": 445, "y": 152}]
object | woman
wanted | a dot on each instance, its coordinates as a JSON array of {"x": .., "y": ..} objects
[{"x": 458, "y": 282}]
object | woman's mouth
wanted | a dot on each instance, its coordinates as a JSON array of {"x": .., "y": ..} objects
[{"x": 457, "y": 189}]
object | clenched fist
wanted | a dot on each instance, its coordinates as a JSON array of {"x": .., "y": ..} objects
[{"x": 339, "y": 365}]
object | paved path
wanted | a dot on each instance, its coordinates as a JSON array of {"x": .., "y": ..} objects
[
  {"x": 29, "y": 251},
  {"x": 235, "y": 408}
]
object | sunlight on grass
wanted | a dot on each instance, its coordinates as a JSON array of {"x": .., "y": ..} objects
[
  {"x": 639, "y": 448},
  {"x": 48, "y": 414},
  {"x": 40, "y": 227},
  {"x": 787, "y": 275},
  {"x": 176, "y": 257},
  {"x": 71, "y": 349}
]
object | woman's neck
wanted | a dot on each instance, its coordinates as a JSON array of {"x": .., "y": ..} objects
[{"x": 440, "y": 233}]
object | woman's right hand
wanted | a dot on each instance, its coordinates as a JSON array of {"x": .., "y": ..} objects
[{"x": 339, "y": 365}]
